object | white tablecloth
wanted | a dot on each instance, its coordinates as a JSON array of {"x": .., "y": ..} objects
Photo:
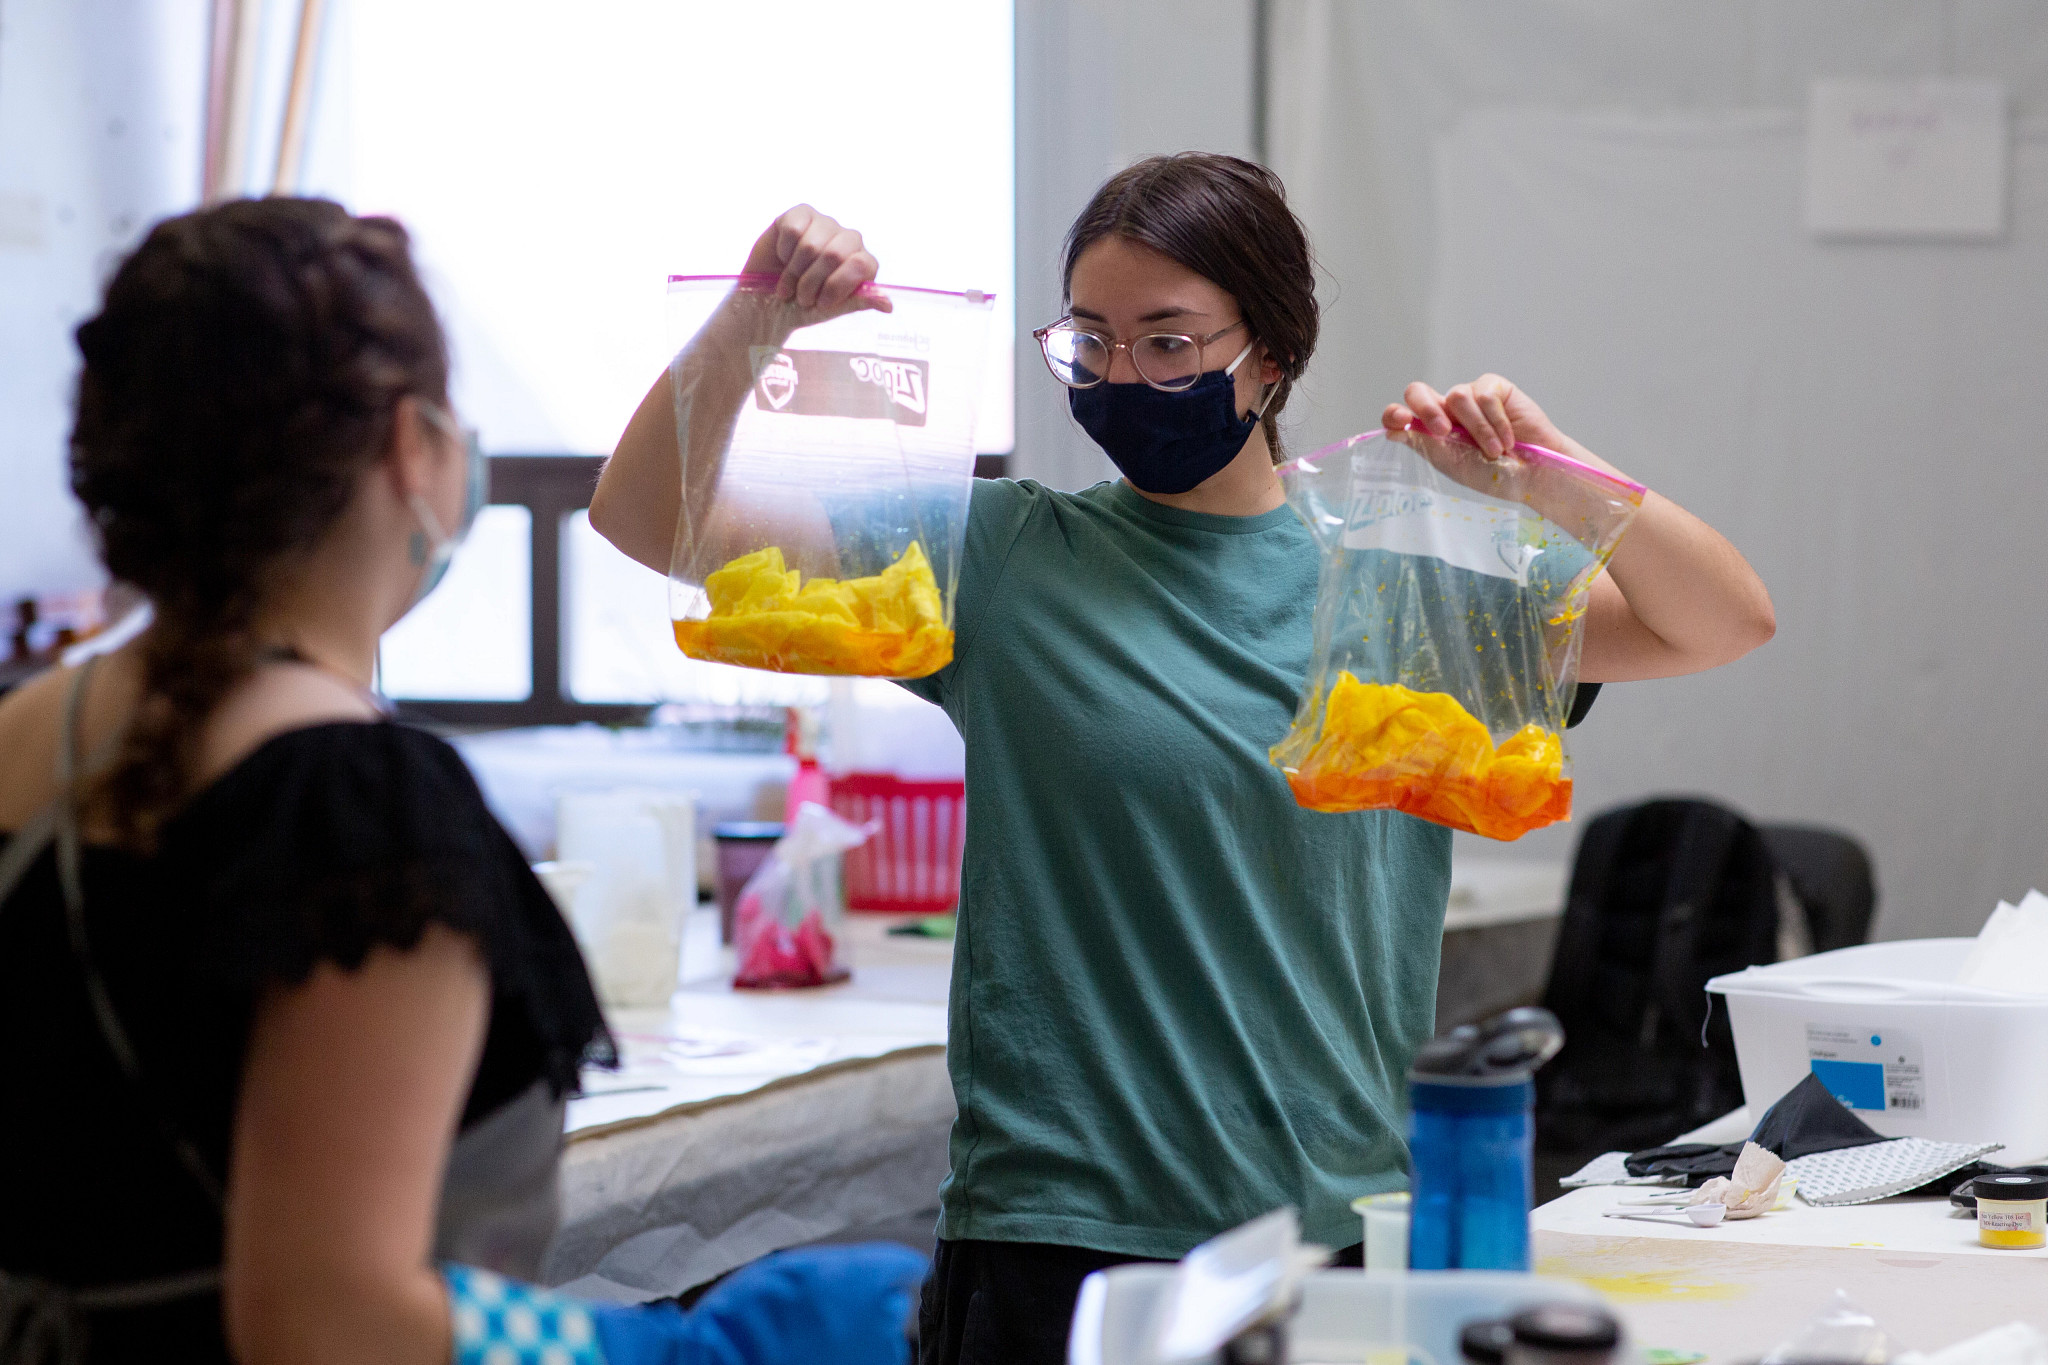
[{"x": 744, "y": 1122}]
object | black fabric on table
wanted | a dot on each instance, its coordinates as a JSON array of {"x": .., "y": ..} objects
[{"x": 1805, "y": 1120}]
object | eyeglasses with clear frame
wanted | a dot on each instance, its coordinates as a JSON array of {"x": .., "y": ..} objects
[{"x": 1169, "y": 361}]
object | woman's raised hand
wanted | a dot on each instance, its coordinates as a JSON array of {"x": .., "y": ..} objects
[
  {"x": 1492, "y": 411},
  {"x": 820, "y": 265}
]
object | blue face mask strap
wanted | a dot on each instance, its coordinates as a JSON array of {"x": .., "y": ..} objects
[
  {"x": 432, "y": 547},
  {"x": 431, "y": 543}
]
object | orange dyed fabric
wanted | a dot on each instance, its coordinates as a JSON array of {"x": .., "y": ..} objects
[
  {"x": 1387, "y": 747},
  {"x": 889, "y": 625}
]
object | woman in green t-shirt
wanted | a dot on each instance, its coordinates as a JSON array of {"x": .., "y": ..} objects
[{"x": 1179, "y": 999}]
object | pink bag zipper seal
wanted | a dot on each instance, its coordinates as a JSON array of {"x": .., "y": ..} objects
[
  {"x": 761, "y": 279},
  {"x": 1535, "y": 454}
]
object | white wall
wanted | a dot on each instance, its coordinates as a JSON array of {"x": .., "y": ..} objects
[
  {"x": 1599, "y": 198},
  {"x": 101, "y": 111},
  {"x": 1101, "y": 83}
]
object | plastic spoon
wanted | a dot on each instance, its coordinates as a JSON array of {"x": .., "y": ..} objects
[{"x": 1699, "y": 1215}]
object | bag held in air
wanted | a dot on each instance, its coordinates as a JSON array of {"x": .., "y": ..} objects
[
  {"x": 1448, "y": 624},
  {"x": 825, "y": 467}
]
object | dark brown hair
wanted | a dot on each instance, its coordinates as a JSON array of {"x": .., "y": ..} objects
[
  {"x": 240, "y": 376},
  {"x": 1227, "y": 220}
]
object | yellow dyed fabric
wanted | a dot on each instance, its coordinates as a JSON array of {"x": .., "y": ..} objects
[
  {"x": 889, "y": 625},
  {"x": 1382, "y": 746}
]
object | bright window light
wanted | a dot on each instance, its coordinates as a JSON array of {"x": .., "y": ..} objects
[
  {"x": 556, "y": 163},
  {"x": 472, "y": 639}
]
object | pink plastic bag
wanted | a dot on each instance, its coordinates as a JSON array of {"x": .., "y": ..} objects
[{"x": 786, "y": 927}]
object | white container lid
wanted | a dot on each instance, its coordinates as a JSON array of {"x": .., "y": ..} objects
[{"x": 1909, "y": 971}]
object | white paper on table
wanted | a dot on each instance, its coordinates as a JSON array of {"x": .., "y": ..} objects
[{"x": 1908, "y": 159}]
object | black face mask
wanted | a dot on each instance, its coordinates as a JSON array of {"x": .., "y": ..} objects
[{"x": 1167, "y": 442}]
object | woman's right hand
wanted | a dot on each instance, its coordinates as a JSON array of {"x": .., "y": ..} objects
[
  {"x": 821, "y": 269},
  {"x": 821, "y": 265}
]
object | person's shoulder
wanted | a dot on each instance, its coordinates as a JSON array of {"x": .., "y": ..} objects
[
  {"x": 329, "y": 838},
  {"x": 360, "y": 782},
  {"x": 273, "y": 701},
  {"x": 996, "y": 498},
  {"x": 1000, "y": 510},
  {"x": 1015, "y": 502},
  {"x": 28, "y": 731},
  {"x": 335, "y": 839}
]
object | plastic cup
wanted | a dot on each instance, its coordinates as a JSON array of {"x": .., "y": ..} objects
[{"x": 1386, "y": 1229}]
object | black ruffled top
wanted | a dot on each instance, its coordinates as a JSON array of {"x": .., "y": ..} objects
[{"x": 321, "y": 845}]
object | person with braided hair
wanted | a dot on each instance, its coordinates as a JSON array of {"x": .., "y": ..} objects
[{"x": 289, "y": 1024}]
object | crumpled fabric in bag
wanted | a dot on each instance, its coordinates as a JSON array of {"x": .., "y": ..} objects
[
  {"x": 786, "y": 925},
  {"x": 1449, "y": 618}
]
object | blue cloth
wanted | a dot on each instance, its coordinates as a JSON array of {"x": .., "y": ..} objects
[{"x": 847, "y": 1305}]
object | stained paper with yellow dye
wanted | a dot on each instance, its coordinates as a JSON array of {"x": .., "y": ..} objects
[
  {"x": 1603, "y": 1271},
  {"x": 764, "y": 615}
]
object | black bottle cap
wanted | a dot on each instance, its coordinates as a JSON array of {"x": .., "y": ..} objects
[
  {"x": 1507, "y": 1047},
  {"x": 1566, "y": 1327},
  {"x": 747, "y": 829},
  {"x": 1485, "y": 1342},
  {"x": 2016, "y": 1187}
]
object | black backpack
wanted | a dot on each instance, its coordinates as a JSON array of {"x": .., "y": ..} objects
[{"x": 1664, "y": 895}]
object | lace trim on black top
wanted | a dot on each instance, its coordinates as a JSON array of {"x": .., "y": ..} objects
[{"x": 329, "y": 841}]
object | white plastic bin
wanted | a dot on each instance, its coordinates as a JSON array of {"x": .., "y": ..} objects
[{"x": 1893, "y": 1037}]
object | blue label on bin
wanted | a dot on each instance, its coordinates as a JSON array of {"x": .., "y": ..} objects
[
  {"x": 1859, "y": 1085},
  {"x": 1875, "y": 1070}
]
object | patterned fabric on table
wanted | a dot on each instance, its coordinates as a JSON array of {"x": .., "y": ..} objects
[{"x": 1862, "y": 1175}]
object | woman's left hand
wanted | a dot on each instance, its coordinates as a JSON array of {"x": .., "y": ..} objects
[{"x": 1492, "y": 411}]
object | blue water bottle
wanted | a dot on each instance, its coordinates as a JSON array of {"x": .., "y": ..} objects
[{"x": 1470, "y": 1094}]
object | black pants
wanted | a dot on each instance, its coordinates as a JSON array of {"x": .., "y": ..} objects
[{"x": 1009, "y": 1303}]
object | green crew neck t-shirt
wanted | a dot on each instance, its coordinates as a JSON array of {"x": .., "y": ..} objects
[{"x": 1178, "y": 1000}]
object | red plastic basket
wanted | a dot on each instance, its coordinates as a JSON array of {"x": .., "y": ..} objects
[{"x": 912, "y": 865}]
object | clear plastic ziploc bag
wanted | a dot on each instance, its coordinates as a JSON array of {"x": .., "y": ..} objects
[
  {"x": 825, "y": 472},
  {"x": 1447, "y": 627}
]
